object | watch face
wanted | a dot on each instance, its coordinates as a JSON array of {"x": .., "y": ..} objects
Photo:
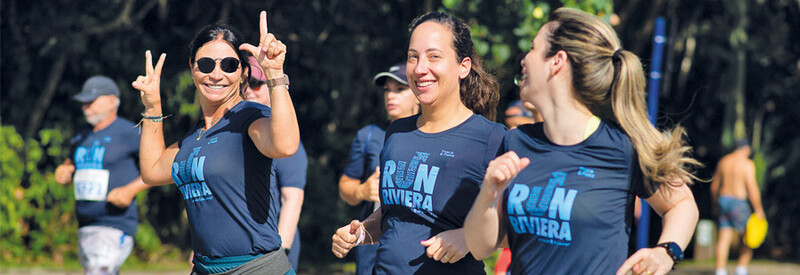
[{"x": 675, "y": 251}]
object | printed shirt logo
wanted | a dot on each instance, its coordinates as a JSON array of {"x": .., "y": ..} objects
[
  {"x": 544, "y": 212},
  {"x": 410, "y": 184},
  {"x": 445, "y": 153},
  {"x": 188, "y": 176},
  {"x": 90, "y": 158}
]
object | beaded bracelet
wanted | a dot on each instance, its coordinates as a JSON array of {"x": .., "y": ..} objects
[{"x": 157, "y": 118}]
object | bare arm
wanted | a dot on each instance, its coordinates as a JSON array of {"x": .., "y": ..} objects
[
  {"x": 278, "y": 136},
  {"x": 753, "y": 193},
  {"x": 482, "y": 228},
  {"x": 354, "y": 192},
  {"x": 716, "y": 182},
  {"x": 679, "y": 211},
  {"x": 291, "y": 204},
  {"x": 123, "y": 196},
  {"x": 155, "y": 160}
]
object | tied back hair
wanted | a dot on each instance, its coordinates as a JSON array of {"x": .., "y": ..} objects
[
  {"x": 601, "y": 78},
  {"x": 479, "y": 90}
]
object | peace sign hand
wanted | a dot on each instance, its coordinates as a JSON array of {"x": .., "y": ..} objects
[
  {"x": 149, "y": 84},
  {"x": 270, "y": 52}
]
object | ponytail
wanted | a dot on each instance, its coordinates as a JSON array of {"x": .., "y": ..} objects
[
  {"x": 480, "y": 91},
  {"x": 663, "y": 156}
]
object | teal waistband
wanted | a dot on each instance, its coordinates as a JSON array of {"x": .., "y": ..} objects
[{"x": 210, "y": 266}]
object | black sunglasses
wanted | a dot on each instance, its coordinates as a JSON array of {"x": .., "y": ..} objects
[
  {"x": 255, "y": 84},
  {"x": 206, "y": 65}
]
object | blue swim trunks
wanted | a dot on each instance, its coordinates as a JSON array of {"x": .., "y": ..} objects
[{"x": 733, "y": 212}]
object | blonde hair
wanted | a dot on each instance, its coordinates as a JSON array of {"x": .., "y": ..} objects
[{"x": 603, "y": 73}]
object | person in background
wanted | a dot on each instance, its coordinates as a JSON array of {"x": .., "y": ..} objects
[
  {"x": 518, "y": 114},
  {"x": 102, "y": 165},
  {"x": 432, "y": 163},
  {"x": 561, "y": 194},
  {"x": 222, "y": 164},
  {"x": 287, "y": 175},
  {"x": 733, "y": 191},
  {"x": 358, "y": 185}
]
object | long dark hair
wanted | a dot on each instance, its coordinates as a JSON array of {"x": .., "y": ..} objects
[{"x": 479, "y": 90}]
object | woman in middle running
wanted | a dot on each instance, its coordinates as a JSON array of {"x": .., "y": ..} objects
[{"x": 432, "y": 163}]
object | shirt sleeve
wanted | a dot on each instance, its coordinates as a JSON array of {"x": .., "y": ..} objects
[
  {"x": 291, "y": 171},
  {"x": 259, "y": 112},
  {"x": 642, "y": 187},
  {"x": 355, "y": 165},
  {"x": 494, "y": 147}
]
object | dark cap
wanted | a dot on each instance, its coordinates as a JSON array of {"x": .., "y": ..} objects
[
  {"x": 396, "y": 72},
  {"x": 96, "y": 86},
  {"x": 742, "y": 143}
]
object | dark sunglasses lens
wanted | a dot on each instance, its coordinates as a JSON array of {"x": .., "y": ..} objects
[
  {"x": 229, "y": 64},
  {"x": 206, "y": 65}
]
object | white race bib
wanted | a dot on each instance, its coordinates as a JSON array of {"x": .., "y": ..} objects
[{"x": 91, "y": 184}]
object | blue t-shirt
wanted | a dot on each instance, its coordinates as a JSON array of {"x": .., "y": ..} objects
[
  {"x": 114, "y": 149},
  {"x": 289, "y": 172},
  {"x": 364, "y": 157},
  {"x": 225, "y": 184},
  {"x": 428, "y": 184},
  {"x": 569, "y": 211}
]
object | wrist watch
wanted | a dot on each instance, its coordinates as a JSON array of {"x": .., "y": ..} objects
[
  {"x": 278, "y": 81},
  {"x": 673, "y": 250}
]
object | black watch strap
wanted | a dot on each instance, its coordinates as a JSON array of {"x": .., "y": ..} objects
[{"x": 673, "y": 250}]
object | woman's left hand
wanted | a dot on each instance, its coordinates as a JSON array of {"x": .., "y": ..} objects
[
  {"x": 648, "y": 261},
  {"x": 270, "y": 52},
  {"x": 448, "y": 247}
]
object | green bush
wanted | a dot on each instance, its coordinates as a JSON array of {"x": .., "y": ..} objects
[{"x": 37, "y": 220}]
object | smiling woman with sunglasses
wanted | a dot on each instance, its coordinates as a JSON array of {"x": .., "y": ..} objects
[{"x": 222, "y": 164}]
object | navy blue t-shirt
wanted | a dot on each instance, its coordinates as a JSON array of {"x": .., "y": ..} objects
[
  {"x": 428, "y": 184},
  {"x": 364, "y": 157},
  {"x": 112, "y": 149},
  {"x": 225, "y": 183},
  {"x": 289, "y": 172},
  {"x": 569, "y": 211}
]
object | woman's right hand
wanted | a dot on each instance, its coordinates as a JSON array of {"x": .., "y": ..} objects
[
  {"x": 502, "y": 170},
  {"x": 149, "y": 84},
  {"x": 345, "y": 238}
]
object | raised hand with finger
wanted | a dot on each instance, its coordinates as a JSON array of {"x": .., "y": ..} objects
[
  {"x": 270, "y": 52},
  {"x": 149, "y": 84}
]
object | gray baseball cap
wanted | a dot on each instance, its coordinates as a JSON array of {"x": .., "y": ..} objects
[{"x": 96, "y": 86}]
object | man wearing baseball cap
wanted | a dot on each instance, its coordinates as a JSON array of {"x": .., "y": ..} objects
[{"x": 102, "y": 165}]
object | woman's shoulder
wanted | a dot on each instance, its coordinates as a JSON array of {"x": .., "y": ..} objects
[
  {"x": 403, "y": 124},
  {"x": 482, "y": 124}
]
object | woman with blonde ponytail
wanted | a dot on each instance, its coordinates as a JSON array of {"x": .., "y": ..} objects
[{"x": 561, "y": 196}]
